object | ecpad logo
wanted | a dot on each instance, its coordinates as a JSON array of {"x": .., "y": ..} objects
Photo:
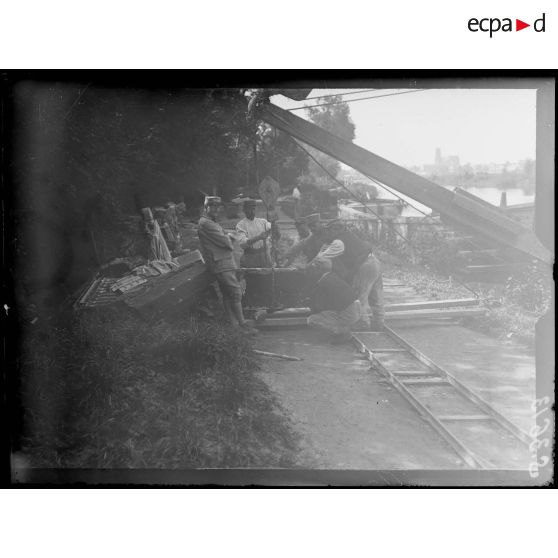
[{"x": 493, "y": 25}]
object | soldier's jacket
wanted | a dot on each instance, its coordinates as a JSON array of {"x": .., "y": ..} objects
[{"x": 215, "y": 246}]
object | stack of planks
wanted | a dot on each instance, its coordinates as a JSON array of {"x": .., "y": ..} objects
[{"x": 408, "y": 311}]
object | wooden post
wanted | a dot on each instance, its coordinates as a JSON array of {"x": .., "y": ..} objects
[{"x": 503, "y": 200}]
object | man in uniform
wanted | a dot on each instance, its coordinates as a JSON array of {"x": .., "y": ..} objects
[
  {"x": 217, "y": 250},
  {"x": 352, "y": 259},
  {"x": 253, "y": 235}
]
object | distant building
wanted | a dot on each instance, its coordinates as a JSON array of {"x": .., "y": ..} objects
[{"x": 443, "y": 165}]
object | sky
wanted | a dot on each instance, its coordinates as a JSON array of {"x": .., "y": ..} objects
[{"x": 479, "y": 125}]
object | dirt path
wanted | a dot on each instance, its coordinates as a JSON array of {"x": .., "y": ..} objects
[{"x": 348, "y": 416}]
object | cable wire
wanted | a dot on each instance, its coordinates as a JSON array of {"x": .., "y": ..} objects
[
  {"x": 355, "y": 100},
  {"x": 341, "y": 94}
]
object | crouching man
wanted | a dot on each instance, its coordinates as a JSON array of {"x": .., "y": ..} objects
[
  {"x": 334, "y": 303},
  {"x": 218, "y": 253},
  {"x": 353, "y": 260}
]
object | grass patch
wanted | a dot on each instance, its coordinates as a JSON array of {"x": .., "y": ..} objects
[{"x": 108, "y": 390}]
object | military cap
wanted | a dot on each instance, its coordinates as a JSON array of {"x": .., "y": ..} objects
[
  {"x": 249, "y": 203},
  {"x": 212, "y": 200}
]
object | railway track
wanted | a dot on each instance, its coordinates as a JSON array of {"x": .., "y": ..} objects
[{"x": 480, "y": 435}]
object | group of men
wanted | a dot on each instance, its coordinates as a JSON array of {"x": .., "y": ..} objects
[{"x": 343, "y": 274}]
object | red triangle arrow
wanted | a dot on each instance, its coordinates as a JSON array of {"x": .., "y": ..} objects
[{"x": 519, "y": 25}]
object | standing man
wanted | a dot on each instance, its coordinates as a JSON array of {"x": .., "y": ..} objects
[
  {"x": 353, "y": 260},
  {"x": 217, "y": 250},
  {"x": 253, "y": 235}
]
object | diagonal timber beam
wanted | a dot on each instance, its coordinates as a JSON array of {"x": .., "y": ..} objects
[{"x": 462, "y": 209}]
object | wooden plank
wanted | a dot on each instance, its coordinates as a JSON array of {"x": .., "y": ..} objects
[
  {"x": 283, "y": 322},
  {"x": 189, "y": 258},
  {"x": 89, "y": 291},
  {"x": 464, "y": 417},
  {"x": 298, "y": 321},
  {"x": 173, "y": 292},
  {"x": 426, "y": 381},
  {"x": 413, "y": 373},
  {"x": 428, "y": 304},
  {"x": 268, "y": 270},
  {"x": 275, "y": 355},
  {"x": 425, "y": 304},
  {"x": 434, "y": 313},
  {"x": 289, "y": 313},
  {"x": 380, "y": 350},
  {"x": 486, "y": 251}
]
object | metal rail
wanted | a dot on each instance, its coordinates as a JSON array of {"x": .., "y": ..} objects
[
  {"x": 464, "y": 390},
  {"x": 433, "y": 375}
]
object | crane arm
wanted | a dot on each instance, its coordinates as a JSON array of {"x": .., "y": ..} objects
[{"x": 463, "y": 209}]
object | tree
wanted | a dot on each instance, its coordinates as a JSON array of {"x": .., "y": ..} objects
[
  {"x": 279, "y": 156},
  {"x": 335, "y": 118}
]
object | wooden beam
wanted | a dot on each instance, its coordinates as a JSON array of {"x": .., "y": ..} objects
[
  {"x": 434, "y": 313},
  {"x": 462, "y": 209},
  {"x": 464, "y": 417},
  {"x": 275, "y": 355},
  {"x": 283, "y": 322},
  {"x": 166, "y": 294},
  {"x": 422, "y": 305},
  {"x": 431, "y": 304},
  {"x": 390, "y": 316},
  {"x": 417, "y": 373},
  {"x": 486, "y": 251},
  {"x": 491, "y": 267},
  {"x": 425, "y": 381}
]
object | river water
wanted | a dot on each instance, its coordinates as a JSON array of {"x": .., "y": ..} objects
[{"x": 492, "y": 195}]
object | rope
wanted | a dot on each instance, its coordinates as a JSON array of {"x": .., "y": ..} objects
[{"x": 365, "y": 202}]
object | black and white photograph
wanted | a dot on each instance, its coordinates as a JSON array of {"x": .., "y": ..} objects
[{"x": 277, "y": 282}]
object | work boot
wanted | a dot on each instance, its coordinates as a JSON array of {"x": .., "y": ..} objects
[{"x": 361, "y": 325}]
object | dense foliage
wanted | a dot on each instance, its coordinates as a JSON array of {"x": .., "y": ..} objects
[
  {"x": 87, "y": 158},
  {"x": 333, "y": 116}
]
